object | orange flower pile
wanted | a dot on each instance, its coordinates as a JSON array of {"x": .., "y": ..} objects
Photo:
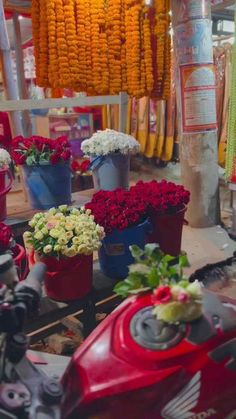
[{"x": 103, "y": 46}]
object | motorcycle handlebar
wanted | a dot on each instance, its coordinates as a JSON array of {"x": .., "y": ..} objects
[{"x": 34, "y": 279}]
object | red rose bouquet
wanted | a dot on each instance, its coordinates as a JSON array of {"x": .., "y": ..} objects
[
  {"x": 117, "y": 210},
  {"x": 39, "y": 150},
  {"x": 162, "y": 197}
]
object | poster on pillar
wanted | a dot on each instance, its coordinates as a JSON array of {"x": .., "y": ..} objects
[
  {"x": 193, "y": 42},
  {"x": 198, "y": 98}
]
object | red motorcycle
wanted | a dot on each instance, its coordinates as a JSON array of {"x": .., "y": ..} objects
[{"x": 131, "y": 367}]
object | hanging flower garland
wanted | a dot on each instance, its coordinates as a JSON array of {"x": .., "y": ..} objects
[
  {"x": 114, "y": 44},
  {"x": 80, "y": 11},
  {"x": 72, "y": 40},
  {"x": 53, "y": 74},
  {"x": 103, "y": 46}
]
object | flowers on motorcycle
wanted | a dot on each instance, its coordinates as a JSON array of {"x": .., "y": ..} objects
[{"x": 174, "y": 298}]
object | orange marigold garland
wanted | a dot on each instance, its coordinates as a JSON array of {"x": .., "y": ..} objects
[
  {"x": 147, "y": 50},
  {"x": 103, "y": 46},
  {"x": 53, "y": 74},
  {"x": 35, "y": 12},
  {"x": 114, "y": 45},
  {"x": 62, "y": 49},
  {"x": 80, "y": 13},
  {"x": 71, "y": 40},
  {"x": 43, "y": 47}
]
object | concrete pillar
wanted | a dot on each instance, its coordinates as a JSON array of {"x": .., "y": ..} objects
[{"x": 195, "y": 85}]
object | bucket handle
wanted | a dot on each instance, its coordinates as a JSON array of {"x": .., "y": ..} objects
[
  {"x": 7, "y": 188},
  {"x": 96, "y": 162}
]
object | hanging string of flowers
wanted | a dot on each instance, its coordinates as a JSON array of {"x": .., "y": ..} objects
[{"x": 103, "y": 46}]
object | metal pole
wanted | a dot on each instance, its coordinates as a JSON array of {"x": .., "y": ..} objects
[
  {"x": 195, "y": 83},
  {"x": 8, "y": 77}
]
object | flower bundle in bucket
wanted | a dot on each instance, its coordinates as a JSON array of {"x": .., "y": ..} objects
[
  {"x": 173, "y": 297},
  {"x": 82, "y": 175},
  {"x": 5, "y": 185},
  {"x": 124, "y": 218},
  {"x": 166, "y": 206},
  {"x": 110, "y": 152},
  {"x": 8, "y": 245},
  {"x": 46, "y": 169},
  {"x": 64, "y": 239}
]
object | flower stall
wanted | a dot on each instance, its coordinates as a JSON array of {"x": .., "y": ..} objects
[
  {"x": 64, "y": 239},
  {"x": 110, "y": 152},
  {"x": 46, "y": 169}
]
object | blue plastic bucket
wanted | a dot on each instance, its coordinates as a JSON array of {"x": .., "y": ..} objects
[
  {"x": 115, "y": 256},
  {"x": 48, "y": 185},
  {"x": 111, "y": 172}
]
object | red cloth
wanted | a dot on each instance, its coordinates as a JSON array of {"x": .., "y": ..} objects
[{"x": 5, "y": 131}]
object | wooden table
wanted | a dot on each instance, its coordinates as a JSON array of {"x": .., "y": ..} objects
[{"x": 52, "y": 312}]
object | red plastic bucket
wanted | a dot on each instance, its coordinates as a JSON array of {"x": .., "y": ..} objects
[
  {"x": 167, "y": 231},
  {"x": 3, "y": 191},
  {"x": 21, "y": 261},
  {"x": 68, "y": 279}
]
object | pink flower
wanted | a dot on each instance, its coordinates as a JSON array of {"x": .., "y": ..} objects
[
  {"x": 162, "y": 295},
  {"x": 183, "y": 297}
]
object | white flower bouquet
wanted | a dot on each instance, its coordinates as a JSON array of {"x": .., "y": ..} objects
[
  {"x": 64, "y": 232},
  {"x": 5, "y": 159},
  {"x": 110, "y": 141}
]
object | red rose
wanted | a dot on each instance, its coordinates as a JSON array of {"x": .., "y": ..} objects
[
  {"x": 84, "y": 166},
  {"x": 18, "y": 158},
  {"x": 75, "y": 166},
  {"x": 162, "y": 295},
  {"x": 66, "y": 154},
  {"x": 5, "y": 237},
  {"x": 54, "y": 158}
]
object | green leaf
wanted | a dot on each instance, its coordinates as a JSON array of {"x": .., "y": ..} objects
[
  {"x": 153, "y": 278},
  {"x": 122, "y": 289},
  {"x": 183, "y": 261},
  {"x": 30, "y": 161},
  {"x": 136, "y": 252}
]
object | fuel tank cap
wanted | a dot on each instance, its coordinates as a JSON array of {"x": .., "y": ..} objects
[{"x": 154, "y": 334}]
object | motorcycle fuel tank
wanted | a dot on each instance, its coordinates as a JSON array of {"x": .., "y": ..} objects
[{"x": 135, "y": 367}]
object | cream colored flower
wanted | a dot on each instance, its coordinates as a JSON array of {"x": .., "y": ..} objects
[
  {"x": 69, "y": 235},
  {"x": 57, "y": 248},
  {"x": 44, "y": 231},
  {"x": 47, "y": 249},
  {"x": 62, "y": 240},
  {"x": 63, "y": 208},
  {"x": 74, "y": 211},
  {"x": 38, "y": 235},
  {"x": 69, "y": 226},
  {"x": 52, "y": 211},
  {"x": 55, "y": 233},
  {"x": 27, "y": 235}
]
